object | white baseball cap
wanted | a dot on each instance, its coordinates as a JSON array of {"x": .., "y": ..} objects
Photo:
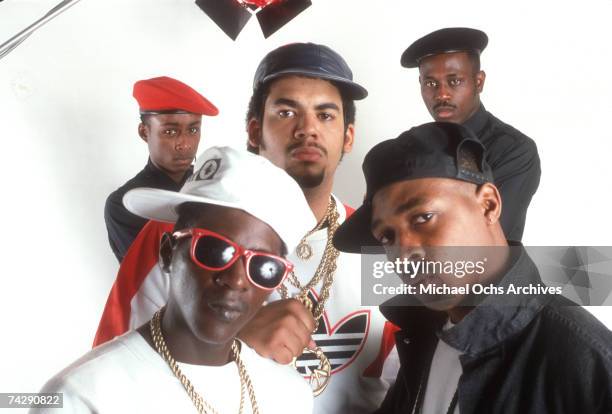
[{"x": 238, "y": 179}]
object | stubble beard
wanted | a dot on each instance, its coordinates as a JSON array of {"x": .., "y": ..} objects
[{"x": 308, "y": 180}]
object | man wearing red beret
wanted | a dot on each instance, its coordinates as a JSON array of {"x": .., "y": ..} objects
[{"x": 171, "y": 117}]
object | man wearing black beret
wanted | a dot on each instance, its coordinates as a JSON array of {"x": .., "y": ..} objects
[{"x": 451, "y": 82}]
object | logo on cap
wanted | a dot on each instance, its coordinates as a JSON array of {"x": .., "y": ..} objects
[{"x": 208, "y": 170}]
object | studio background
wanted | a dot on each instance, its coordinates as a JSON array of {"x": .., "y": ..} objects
[{"x": 69, "y": 129}]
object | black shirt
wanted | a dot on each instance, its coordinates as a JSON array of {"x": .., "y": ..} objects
[
  {"x": 520, "y": 354},
  {"x": 514, "y": 159},
  {"x": 123, "y": 226}
]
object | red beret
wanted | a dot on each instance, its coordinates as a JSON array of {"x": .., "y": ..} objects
[{"x": 165, "y": 94}]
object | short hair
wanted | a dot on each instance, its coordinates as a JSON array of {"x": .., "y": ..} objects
[
  {"x": 189, "y": 212},
  {"x": 144, "y": 118},
  {"x": 258, "y": 101}
]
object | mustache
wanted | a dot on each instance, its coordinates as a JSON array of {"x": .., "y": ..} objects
[
  {"x": 229, "y": 303},
  {"x": 301, "y": 144},
  {"x": 444, "y": 104}
]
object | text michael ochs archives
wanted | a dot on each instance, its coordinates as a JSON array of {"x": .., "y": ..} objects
[{"x": 426, "y": 277}]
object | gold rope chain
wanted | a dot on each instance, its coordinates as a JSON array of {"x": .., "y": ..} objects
[
  {"x": 326, "y": 269},
  {"x": 201, "y": 405},
  {"x": 321, "y": 375}
]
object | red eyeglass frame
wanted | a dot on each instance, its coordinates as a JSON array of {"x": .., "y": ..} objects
[{"x": 240, "y": 251}]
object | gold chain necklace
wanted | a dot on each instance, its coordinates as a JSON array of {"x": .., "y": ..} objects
[
  {"x": 201, "y": 405},
  {"x": 320, "y": 377},
  {"x": 303, "y": 250},
  {"x": 325, "y": 271}
]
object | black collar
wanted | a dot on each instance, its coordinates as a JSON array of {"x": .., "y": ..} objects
[
  {"x": 153, "y": 171},
  {"x": 478, "y": 121},
  {"x": 495, "y": 319}
]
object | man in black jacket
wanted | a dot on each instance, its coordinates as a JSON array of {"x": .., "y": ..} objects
[
  {"x": 538, "y": 352},
  {"x": 451, "y": 82},
  {"x": 171, "y": 119}
]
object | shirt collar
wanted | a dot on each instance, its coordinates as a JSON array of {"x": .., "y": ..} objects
[
  {"x": 156, "y": 172},
  {"x": 478, "y": 121}
]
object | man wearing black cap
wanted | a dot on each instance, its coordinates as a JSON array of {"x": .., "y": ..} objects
[
  {"x": 171, "y": 117},
  {"x": 301, "y": 117},
  {"x": 451, "y": 82},
  {"x": 430, "y": 192}
]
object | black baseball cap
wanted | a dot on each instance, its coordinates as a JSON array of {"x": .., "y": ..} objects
[
  {"x": 312, "y": 60},
  {"x": 447, "y": 40},
  {"x": 432, "y": 150}
]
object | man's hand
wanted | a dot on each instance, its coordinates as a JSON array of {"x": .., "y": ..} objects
[{"x": 280, "y": 330}]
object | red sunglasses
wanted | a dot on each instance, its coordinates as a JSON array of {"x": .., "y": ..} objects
[{"x": 212, "y": 251}]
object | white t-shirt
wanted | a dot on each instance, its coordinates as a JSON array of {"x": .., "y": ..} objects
[
  {"x": 443, "y": 378},
  {"x": 351, "y": 335},
  {"x": 127, "y": 375}
]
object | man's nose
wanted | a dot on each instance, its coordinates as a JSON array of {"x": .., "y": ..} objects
[
  {"x": 407, "y": 246},
  {"x": 410, "y": 245},
  {"x": 306, "y": 126},
  {"x": 443, "y": 93},
  {"x": 183, "y": 143},
  {"x": 234, "y": 277},
  {"x": 412, "y": 253}
]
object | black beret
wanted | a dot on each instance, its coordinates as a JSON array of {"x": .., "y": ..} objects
[{"x": 451, "y": 39}]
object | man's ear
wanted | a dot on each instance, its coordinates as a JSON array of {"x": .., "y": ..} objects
[
  {"x": 254, "y": 133},
  {"x": 349, "y": 139},
  {"x": 166, "y": 246},
  {"x": 480, "y": 80},
  {"x": 490, "y": 201},
  {"x": 143, "y": 132}
]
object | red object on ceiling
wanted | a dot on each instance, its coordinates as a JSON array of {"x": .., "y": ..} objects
[{"x": 260, "y": 3}]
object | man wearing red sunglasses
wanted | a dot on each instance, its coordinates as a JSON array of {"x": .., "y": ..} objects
[
  {"x": 301, "y": 117},
  {"x": 222, "y": 260}
]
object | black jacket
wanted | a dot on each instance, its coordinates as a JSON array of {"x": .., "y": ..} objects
[
  {"x": 514, "y": 159},
  {"x": 123, "y": 226},
  {"x": 547, "y": 355}
]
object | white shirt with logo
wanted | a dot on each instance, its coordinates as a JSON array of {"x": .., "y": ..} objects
[{"x": 349, "y": 334}]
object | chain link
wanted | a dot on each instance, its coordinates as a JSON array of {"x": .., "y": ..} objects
[
  {"x": 326, "y": 269},
  {"x": 201, "y": 405}
]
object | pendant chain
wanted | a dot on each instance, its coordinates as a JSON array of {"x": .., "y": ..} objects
[
  {"x": 327, "y": 266},
  {"x": 201, "y": 405}
]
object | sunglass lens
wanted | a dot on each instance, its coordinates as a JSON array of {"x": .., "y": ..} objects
[
  {"x": 214, "y": 252},
  {"x": 266, "y": 271}
]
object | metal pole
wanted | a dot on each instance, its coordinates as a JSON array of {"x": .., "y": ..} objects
[{"x": 13, "y": 42}]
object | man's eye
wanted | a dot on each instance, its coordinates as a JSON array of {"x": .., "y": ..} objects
[
  {"x": 170, "y": 132},
  {"x": 286, "y": 113},
  {"x": 386, "y": 238},
  {"x": 430, "y": 84},
  {"x": 422, "y": 218},
  {"x": 326, "y": 116},
  {"x": 454, "y": 82},
  {"x": 194, "y": 130}
]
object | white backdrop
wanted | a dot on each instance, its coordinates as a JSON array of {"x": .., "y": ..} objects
[{"x": 69, "y": 129}]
